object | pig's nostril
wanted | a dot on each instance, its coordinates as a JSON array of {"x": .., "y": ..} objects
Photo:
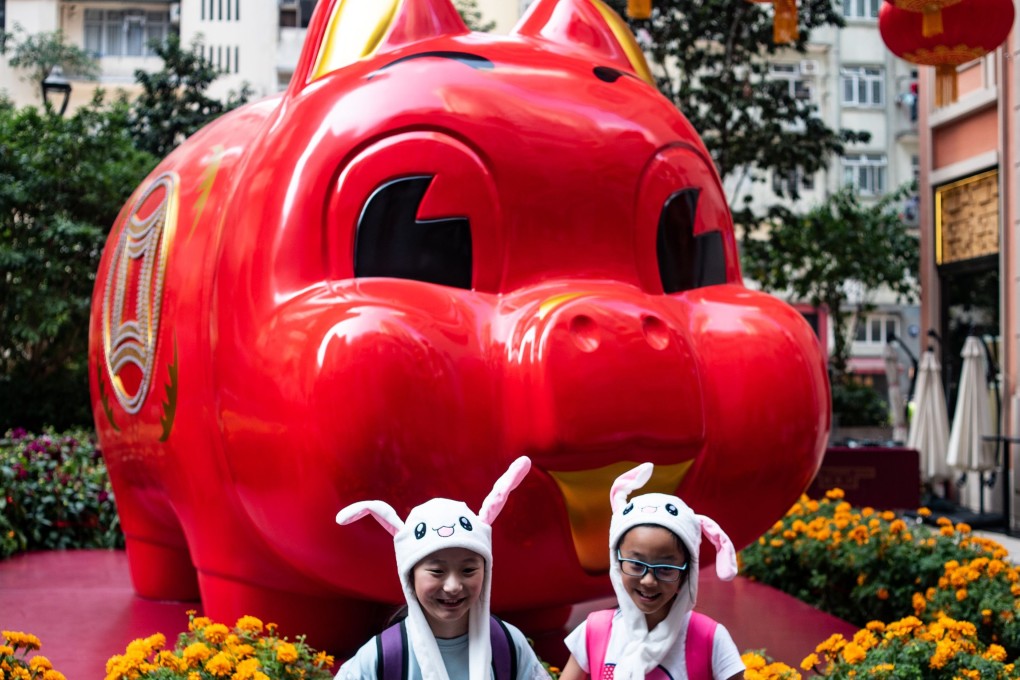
[
  {"x": 656, "y": 332},
  {"x": 585, "y": 333}
]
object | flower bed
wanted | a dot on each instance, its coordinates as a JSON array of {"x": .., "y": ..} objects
[{"x": 57, "y": 494}]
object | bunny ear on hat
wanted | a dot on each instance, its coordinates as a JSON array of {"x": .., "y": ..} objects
[
  {"x": 511, "y": 479},
  {"x": 725, "y": 555},
  {"x": 628, "y": 482},
  {"x": 383, "y": 513}
]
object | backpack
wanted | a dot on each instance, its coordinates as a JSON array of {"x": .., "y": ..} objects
[
  {"x": 697, "y": 651},
  {"x": 392, "y": 652}
]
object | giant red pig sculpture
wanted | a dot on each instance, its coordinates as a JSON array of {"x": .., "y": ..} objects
[{"x": 435, "y": 252}]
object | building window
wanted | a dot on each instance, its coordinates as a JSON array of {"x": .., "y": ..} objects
[
  {"x": 865, "y": 172},
  {"x": 124, "y": 33},
  {"x": 861, "y": 9},
  {"x": 799, "y": 85},
  {"x": 877, "y": 329},
  {"x": 863, "y": 86}
]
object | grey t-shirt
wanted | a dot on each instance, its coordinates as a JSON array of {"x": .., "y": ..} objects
[{"x": 362, "y": 666}]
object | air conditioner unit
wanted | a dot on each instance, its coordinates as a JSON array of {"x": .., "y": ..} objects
[
  {"x": 175, "y": 13},
  {"x": 808, "y": 67}
]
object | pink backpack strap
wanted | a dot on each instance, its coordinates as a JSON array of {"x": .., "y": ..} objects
[
  {"x": 598, "y": 626},
  {"x": 698, "y": 650}
]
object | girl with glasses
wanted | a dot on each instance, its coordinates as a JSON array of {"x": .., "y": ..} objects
[{"x": 654, "y": 544}]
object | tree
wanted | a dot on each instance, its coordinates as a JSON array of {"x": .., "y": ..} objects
[
  {"x": 837, "y": 256},
  {"x": 62, "y": 182},
  {"x": 711, "y": 59},
  {"x": 39, "y": 53},
  {"x": 472, "y": 16},
  {"x": 173, "y": 104}
]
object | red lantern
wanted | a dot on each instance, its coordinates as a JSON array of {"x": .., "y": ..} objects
[
  {"x": 971, "y": 29},
  {"x": 784, "y": 25},
  {"x": 931, "y": 13}
]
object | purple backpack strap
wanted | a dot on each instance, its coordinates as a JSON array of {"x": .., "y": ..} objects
[
  {"x": 698, "y": 650},
  {"x": 391, "y": 653},
  {"x": 504, "y": 651},
  {"x": 597, "y": 628}
]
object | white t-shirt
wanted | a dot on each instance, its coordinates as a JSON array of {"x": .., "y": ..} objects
[
  {"x": 362, "y": 666},
  {"x": 725, "y": 657}
]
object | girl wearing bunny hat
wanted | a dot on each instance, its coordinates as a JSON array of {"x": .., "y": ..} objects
[
  {"x": 444, "y": 560},
  {"x": 654, "y": 541}
]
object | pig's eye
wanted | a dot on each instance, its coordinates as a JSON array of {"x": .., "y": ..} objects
[
  {"x": 687, "y": 261},
  {"x": 392, "y": 242}
]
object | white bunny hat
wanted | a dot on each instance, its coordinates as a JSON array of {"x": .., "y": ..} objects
[
  {"x": 644, "y": 649},
  {"x": 434, "y": 525}
]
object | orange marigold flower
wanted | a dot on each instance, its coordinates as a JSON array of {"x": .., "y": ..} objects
[
  {"x": 946, "y": 531},
  {"x": 53, "y": 675},
  {"x": 18, "y": 640},
  {"x": 888, "y": 515},
  {"x": 876, "y": 626},
  {"x": 919, "y": 603},
  {"x": 198, "y": 623},
  {"x": 39, "y": 663},
  {"x": 220, "y": 665},
  {"x": 961, "y": 594},
  {"x": 833, "y": 494},
  {"x": 286, "y": 653},
  {"x": 924, "y": 512},
  {"x": 323, "y": 660},
  {"x": 809, "y": 662},
  {"x": 963, "y": 528},
  {"x": 215, "y": 632},
  {"x": 249, "y": 624},
  {"x": 882, "y": 594},
  {"x": 853, "y": 653},
  {"x": 753, "y": 661},
  {"x": 995, "y": 653}
]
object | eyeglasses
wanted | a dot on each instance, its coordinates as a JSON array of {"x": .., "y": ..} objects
[{"x": 667, "y": 573}]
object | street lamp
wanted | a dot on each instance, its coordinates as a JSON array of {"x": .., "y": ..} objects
[{"x": 55, "y": 84}]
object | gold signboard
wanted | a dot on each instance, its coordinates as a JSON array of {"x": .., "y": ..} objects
[{"x": 967, "y": 218}]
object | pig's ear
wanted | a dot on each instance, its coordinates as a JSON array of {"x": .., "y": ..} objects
[
  {"x": 725, "y": 555},
  {"x": 628, "y": 482},
  {"x": 510, "y": 480},
  {"x": 589, "y": 27},
  {"x": 382, "y": 512},
  {"x": 344, "y": 31}
]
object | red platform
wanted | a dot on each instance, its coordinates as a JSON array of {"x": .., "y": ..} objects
[{"x": 80, "y": 604}]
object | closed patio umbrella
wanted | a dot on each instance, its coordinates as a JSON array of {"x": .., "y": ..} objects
[
  {"x": 929, "y": 427},
  {"x": 972, "y": 418}
]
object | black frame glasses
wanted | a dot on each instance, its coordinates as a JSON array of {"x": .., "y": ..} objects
[{"x": 667, "y": 573}]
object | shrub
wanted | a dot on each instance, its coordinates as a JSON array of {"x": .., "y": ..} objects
[
  {"x": 857, "y": 564},
  {"x": 908, "y": 648},
  {"x": 57, "y": 494},
  {"x": 248, "y": 651},
  {"x": 13, "y": 665}
]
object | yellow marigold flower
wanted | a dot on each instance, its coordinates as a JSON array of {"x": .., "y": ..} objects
[
  {"x": 944, "y": 521},
  {"x": 753, "y": 661},
  {"x": 961, "y": 594},
  {"x": 215, "y": 632},
  {"x": 196, "y": 653},
  {"x": 246, "y": 669},
  {"x": 21, "y": 640},
  {"x": 167, "y": 659},
  {"x": 809, "y": 662},
  {"x": 198, "y": 623},
  {"x": 324, "y": 660},
  {"x": 875, "y": 626},
  {"x": 963, "y": 528},
  {"x": 249, "y": 624},
  {"x": 897, "y": 526},
  {"x": 833, "y": 494},
  {"x": 286, "y": 653},
  {"x": 776, "y": 543},
  {"x": 789, "y": 534},
  {"x": 1015, "y": 590},
  {"x": 943, "y": 653},
  {"x": 53, "y": 675},
  {"x": 924, "y": 512},
  {"x": 882, "y": 668},
  {"x": 39, "y": 663},
  {"x": 888, "y": 515},
  {"x": 220, "y": 665},
  {"x": 20, "y": 673},
  {"x": 259, "y": 675},
  {"x": 6, "y": 650},
  {"x": 919, "y": 603},
  {"x": 882, "y": 594},
  {"x": 996, "y": 567},
  {"x": 853, "y": 653},
  {"x": 995, "y": 653},
  {"x": 271, "y": 629},
  {"x": 194, "y": 676},
  {"x": 946, "y": 531}
]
